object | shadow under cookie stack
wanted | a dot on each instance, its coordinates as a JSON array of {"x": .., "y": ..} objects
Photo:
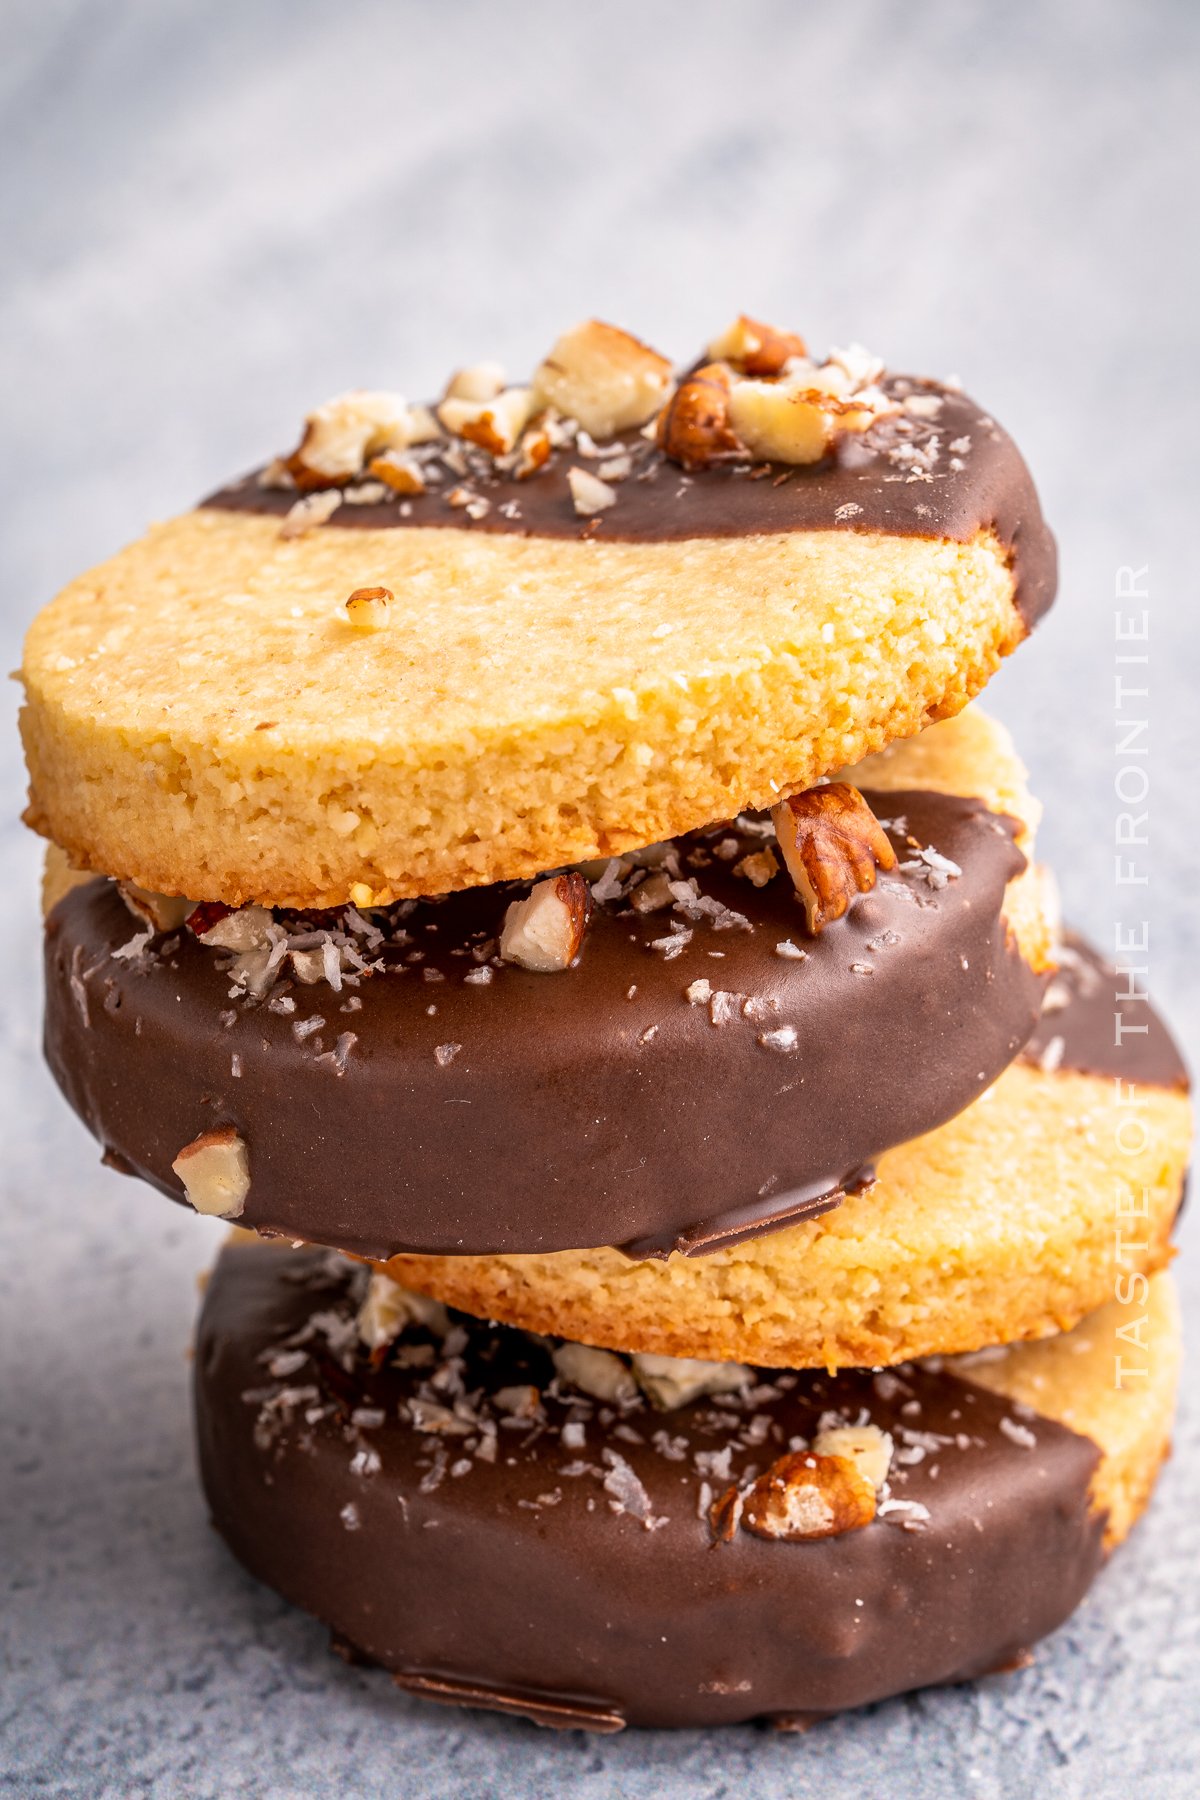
[{"x": 531, "y": 862}]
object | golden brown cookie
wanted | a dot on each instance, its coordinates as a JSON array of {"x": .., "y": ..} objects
[{"x": 491, "y": 670}]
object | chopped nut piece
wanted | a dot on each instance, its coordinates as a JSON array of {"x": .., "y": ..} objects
[
  {"x": 245, "y": 929},
  {"x": 494, "y": 424},
  {"x": 520, "y": 1402},
  {"x": 310, "y": 512},
  {"x": 755, "y": 348},
  {"x": 595, "y": 1372},
  {"x": 865, "y": 1445},
  {"x": 602, "y": 377},
  {"x": 652, "y": 894},
  {"x": 533, "y": 452},
  {"x": 341, "y": 435},
  {"x": 672, "y": 1381},
  {"x": 694, "y": 427},
  {"x": 758, "y": 868},
  {"x": 162, "y": 912},
  {"x": 387, "y": 1308},
  {"x": 481, "y": 381},
  {"x": 423, "y": 427},
  {"x": 545, "y": 930},
  {"x": 590, "y": 494},
  {"x": 803, "y": 1496},
  {"x": 215, "y": 1171},
  {"x": 780, "y": 422},
  {"x": 833, "y": 846},
  {"x": 398, "y": 472},
  {"x": 367, "y": 608}
]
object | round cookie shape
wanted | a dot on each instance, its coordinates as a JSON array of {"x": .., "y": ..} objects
[
  {"x": 996, "y": 1227},
  {"x": 550, "y": 688},
  {"x": 588, "y": 1577},
  {"x": 685, "y": 1083}
]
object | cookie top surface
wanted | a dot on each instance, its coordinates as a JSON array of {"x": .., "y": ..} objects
[
  {"x": 534, "y": 1559},
  {"x": 680, "y": 1085},
  {"x": 538, "y": 685}
]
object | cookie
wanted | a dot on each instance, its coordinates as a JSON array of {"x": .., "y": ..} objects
[
  {"x": 682, "y": 1084},
  {"x": 463, "y": 1510},
  {"x": 1011, "y": 1221},
  {"x": 557, "y": 677}
]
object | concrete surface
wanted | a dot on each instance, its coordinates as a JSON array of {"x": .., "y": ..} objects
[{"x": 215, "y": 214}]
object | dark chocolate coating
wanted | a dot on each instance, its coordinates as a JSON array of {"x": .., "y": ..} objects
[
  {"x": 1078, "y": 1027},
  {"x": 983, "y": 487},
  {"x": 518, "y": 1583},
  {"x": 560, "y": 1123}
]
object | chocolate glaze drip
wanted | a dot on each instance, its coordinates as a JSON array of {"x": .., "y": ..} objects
[
  {"x": 1078, "y": 1026},
  {"x": 869, "y": 484},
  {"x": 575, "y": 1112},
  {"x": 527, "y": 1585}
]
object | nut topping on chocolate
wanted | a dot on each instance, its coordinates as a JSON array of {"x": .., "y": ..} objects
[
  {"x": 799, "y": 1498},
  {"x": 833, "y": 846},
  {"x": 545, "y": 930},
  {"x": 215, "y": 1171},
  {"x": 341, "y": 435},
  {"x": 756, "y": 349},
  {"x": 604, "y": 378},
  {"x": 694, "y": 428},
  {"x": 866, "y": 1445},
  {"x": 760, "y": 397},
  {"x": 161, "y": 912},
  {"x": 588, "y": 493},
  {"x": 495, "y": 424}
]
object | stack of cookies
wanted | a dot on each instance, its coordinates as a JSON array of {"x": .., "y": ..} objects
[{"x": 532, "y": 863}]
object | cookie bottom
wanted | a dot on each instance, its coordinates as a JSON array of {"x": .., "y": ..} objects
[{"x": 459, "y": 1515}]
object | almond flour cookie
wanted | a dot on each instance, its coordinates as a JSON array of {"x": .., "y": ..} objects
[
  {"x": 533, "y": 1528},
  {"x": 399, "y": 1082},
  {"x": 422, "y": 654},
  {"x": 1012, "y": 1221}
]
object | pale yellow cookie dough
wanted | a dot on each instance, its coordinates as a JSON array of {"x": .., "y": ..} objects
[
  {"x": 1000, "y": 1226},
  {"x": 203, "y": 718}
]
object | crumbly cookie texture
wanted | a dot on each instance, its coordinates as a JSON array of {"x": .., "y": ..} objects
[
  {"x": 437, "y": 647},
  {"x": 995, "y": 1228},
  {"x": 203, "y": 718}
]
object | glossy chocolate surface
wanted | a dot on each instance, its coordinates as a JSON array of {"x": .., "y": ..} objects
[
  {"x": 578, "y": 1580},
  {"x": 1086, "y": 1025},
  {"x": 596, "y": 1105}
]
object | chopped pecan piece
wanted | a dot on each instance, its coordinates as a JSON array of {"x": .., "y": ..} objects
[
  {"x": 833, "y": 846},
  {"x": 341, "y": 436},
  {"x": 367, "y": 608},
  {"x": 545, "y": 930},
  {"x": 604, "y": 378},
  {"x": 755, "y": 348},
  {"x": 694, "y": 427},
  {"x": 801, "y": 1497}
]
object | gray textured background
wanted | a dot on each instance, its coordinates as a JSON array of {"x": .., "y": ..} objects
[{"x": 217, "y": 213}]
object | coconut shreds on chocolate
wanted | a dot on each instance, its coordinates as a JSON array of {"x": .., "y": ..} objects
[{"x": 466, "y": 1410}]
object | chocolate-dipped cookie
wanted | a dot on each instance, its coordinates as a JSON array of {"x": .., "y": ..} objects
[
  {"x": 683, "y": 1082},
  {"x": 1011, "y": 1221},
  {"x": 503, "y": 1522},
  {"x": 553, "y": 623}
]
